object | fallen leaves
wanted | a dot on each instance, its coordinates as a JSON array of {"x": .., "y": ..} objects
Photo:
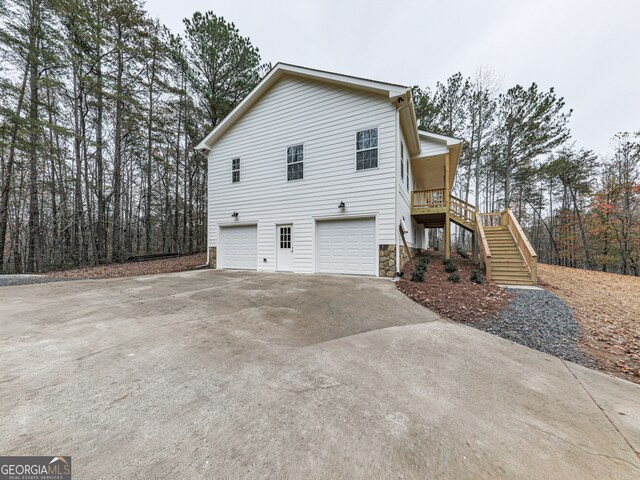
[
  {"x": 607, "y": 308},
  {"x": 132, "y": 269}
]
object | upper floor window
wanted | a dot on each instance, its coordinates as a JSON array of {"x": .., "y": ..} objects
[
  {"x": 401, "y": 161},
  {"x": 408, "y": 174},
  {"x": 367, "y": 149},
  {"x": 295, "y": 163},
  {"x": 235, "y": 170}
]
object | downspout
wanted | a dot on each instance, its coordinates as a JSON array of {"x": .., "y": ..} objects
[
  {"x": 395, "y": 193},
  {"x": 207, "y": 150},
  {"x": 396, "y": 187}
]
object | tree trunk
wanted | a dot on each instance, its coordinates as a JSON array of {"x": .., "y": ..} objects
[
  {"x": 79, "y": 237},
  {"x": 147, "y": 212},
  {"x": 8, "y": 170},
  {"x": 101, "y": 231},
  {"x": 116, "y": 253},
  {"x": 583, "y": 234},
  {"x": 33, "y": 254}
]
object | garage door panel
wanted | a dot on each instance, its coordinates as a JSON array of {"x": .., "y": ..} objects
[
  {"x": 239, "y": 247},
  {"x": 346, "y": 246}
]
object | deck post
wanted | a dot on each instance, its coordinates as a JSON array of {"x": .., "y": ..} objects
[
  {"x": 447, "y": 236},
  {"x": 447, "y": 202},
  {"x": 474, "y": 248}
]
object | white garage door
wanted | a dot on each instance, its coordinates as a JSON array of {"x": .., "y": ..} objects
[
  {"x": 347, "y": 246},
  {"x": 239, "y": 247}
]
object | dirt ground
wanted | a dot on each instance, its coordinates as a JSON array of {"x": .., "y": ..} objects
[
  {"x": 464, "y": 302},
  {"x": 132, "y": 269},
  {"x": 607, "y": 307}
]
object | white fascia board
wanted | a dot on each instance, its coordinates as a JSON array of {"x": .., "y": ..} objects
[
  {"x": 345, "y": 80},
  {"x": 439, "y": 138}
]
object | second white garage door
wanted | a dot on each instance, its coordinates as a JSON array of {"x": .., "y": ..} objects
[
  {"x": 239, "y": 247},
  {"x": 346, "y": 246}
]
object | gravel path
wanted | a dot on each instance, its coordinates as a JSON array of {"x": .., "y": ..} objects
[
  {"x": 11, "y": 280},
  {"x": 540, "y": 320}
]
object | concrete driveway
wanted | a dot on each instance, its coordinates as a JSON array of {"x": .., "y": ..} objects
[{"x": 244, "y": 375}]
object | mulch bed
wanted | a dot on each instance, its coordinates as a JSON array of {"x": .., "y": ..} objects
[{"x": 464, "y": 302}]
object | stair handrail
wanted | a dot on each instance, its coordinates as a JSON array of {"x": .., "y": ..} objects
[
  {"x": 529, "y": 255},
  {"x": 491, "y": 219},
  {"x": 485, "y": 252},
  {"x": 462, "y": 209},
  {"x": 466, "y": 204}
]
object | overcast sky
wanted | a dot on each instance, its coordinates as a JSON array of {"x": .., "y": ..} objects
[{"x": 588, "y": 50}]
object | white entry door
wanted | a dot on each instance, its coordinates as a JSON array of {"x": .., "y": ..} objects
[
  {"x": 346, "y": 246},
  {"x": 284, "y": 255},
  {"x": 239, "y": 247}
]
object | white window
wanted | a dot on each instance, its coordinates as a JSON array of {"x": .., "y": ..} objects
[
  {"x": 295, "y": 163},
  {"x": 285, "y": 237},
  {"x": 235, "y": 170},
  {"x": 367, "y": 149},
  {"x": 402, "y": 161}
]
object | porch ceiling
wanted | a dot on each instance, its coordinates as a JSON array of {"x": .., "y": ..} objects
[{"x": 428, "y": 172}]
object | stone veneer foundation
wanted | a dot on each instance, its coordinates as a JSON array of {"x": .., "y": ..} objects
[
  {"x": 404, "y": 256},
  {"x": 387, "y": 259},
  {"x": 213, "y": 257}
]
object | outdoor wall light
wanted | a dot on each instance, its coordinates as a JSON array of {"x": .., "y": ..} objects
[
  {"x": 234, "y": 214},
  {"x": 342, "y": 205}
]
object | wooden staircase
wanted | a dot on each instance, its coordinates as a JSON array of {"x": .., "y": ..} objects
[
  {"x": 500, "y": 245},
  {"x": 504, "y": 248},
  {"x": 507, "y": 265}
]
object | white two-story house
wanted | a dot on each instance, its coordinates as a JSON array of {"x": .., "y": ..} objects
[{"x": 317, "y": 172}]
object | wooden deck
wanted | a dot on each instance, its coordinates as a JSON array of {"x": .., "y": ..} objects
[{"x": 499, "y": 244}]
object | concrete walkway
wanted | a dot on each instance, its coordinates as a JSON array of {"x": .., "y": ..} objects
[{"x": 243, "y": 375}]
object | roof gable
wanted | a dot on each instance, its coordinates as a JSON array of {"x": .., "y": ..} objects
[{"x": 395, "y": 93}]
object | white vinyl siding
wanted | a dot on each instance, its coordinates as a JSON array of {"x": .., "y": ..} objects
[
  {"x": 432, "y": 147},
  {"x": 326, "y": 119}
]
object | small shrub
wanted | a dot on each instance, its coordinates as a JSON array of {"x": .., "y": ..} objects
[
  {"x": 417, "y": 275},
  {"x": 447, "y": 261},
  {"x": 422, "y": 264},
  {"x": 477, "y": 277},
  {"x": 454, "y": 277},
  {"x": 450, "y": 268}
]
